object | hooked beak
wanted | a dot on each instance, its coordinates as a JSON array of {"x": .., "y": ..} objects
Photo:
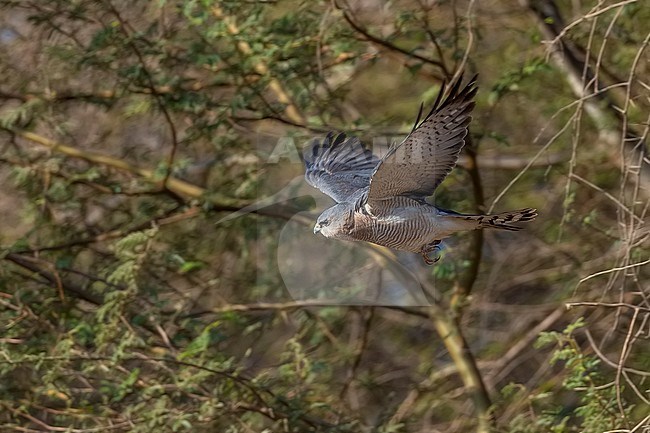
[{"x": 317, "y": 228}]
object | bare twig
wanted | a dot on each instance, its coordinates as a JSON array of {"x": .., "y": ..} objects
[
  {"x": 386, "y": 44},
  {"x": 615, "y": 269},
  {"x": 565, "y": 54},
  {"x": 611, "y": 363}
]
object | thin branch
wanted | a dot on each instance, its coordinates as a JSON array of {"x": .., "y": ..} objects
[
  {"x": 386, "y": 44},
  {"x": 175, "y": 185},
  {"x": 570, "y": 305},
  {"x": 609, "y": 362},
  {"x": 593, "y": 14},
  {"x": 608, "y": 195},
  {"x": 33, "y": 266},
  {"x": 616, "y": 269}
]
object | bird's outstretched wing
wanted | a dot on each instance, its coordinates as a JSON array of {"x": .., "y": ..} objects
[
  {"x": 415, "y": 167},
  {"x": 339, "y": 166}
]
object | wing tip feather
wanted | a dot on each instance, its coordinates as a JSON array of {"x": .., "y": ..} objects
[{"x": 455, "y": 94}]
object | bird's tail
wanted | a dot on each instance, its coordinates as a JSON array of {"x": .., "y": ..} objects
[{"x": 503, "y": 220}]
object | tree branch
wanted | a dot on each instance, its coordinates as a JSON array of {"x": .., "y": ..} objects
[
  {"x": 291, "y": 110},
  {"x": 569, "y": 57},
  {"x": 390, "y": 46}
]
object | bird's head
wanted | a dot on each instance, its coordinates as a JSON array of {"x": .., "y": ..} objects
[{"x": 336, "y": 222}]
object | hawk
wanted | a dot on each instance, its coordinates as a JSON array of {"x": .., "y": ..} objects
[{"x": 383, "y": 201}]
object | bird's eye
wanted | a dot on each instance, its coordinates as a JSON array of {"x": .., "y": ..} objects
[{"x": 324, "y": 223}]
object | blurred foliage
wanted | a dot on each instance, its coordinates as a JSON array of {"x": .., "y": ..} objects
[{"x": 126, "y": 305}]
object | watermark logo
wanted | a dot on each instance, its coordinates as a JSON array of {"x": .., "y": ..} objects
[{"x": 314, "y": 268}]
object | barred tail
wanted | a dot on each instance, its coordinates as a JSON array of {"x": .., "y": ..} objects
[{"x": 503, "y": 220}]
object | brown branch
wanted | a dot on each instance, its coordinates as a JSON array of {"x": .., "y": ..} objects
[
  {"x": 37, "y": 421},
  {"x": 106, "y": 94},
  {"x": 33, "y": 266},
  {"x": 10, "y": 95},
  {"x": 609, "y": 362},
  {"x": 388, "y": 45},
  {"x": 175, "y": 185}
]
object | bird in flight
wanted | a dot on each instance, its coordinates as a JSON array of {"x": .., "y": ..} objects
[{"x": 383, "y": 201}]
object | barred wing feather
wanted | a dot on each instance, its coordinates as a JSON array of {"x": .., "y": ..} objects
[
  {"x": 339, "y": 166},
  {"x": 415, "y": 167}
]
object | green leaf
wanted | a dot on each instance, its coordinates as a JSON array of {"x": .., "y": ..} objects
[{"x": 190, "y": 266}]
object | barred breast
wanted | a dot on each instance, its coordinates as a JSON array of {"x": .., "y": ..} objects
[{"x": 403, "y": 228}]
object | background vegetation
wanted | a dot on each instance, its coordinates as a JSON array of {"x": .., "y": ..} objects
[{"x": 130, "y": 129}]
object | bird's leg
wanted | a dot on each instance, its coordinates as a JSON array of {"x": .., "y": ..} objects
[{"x": 429, "y": 248}]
